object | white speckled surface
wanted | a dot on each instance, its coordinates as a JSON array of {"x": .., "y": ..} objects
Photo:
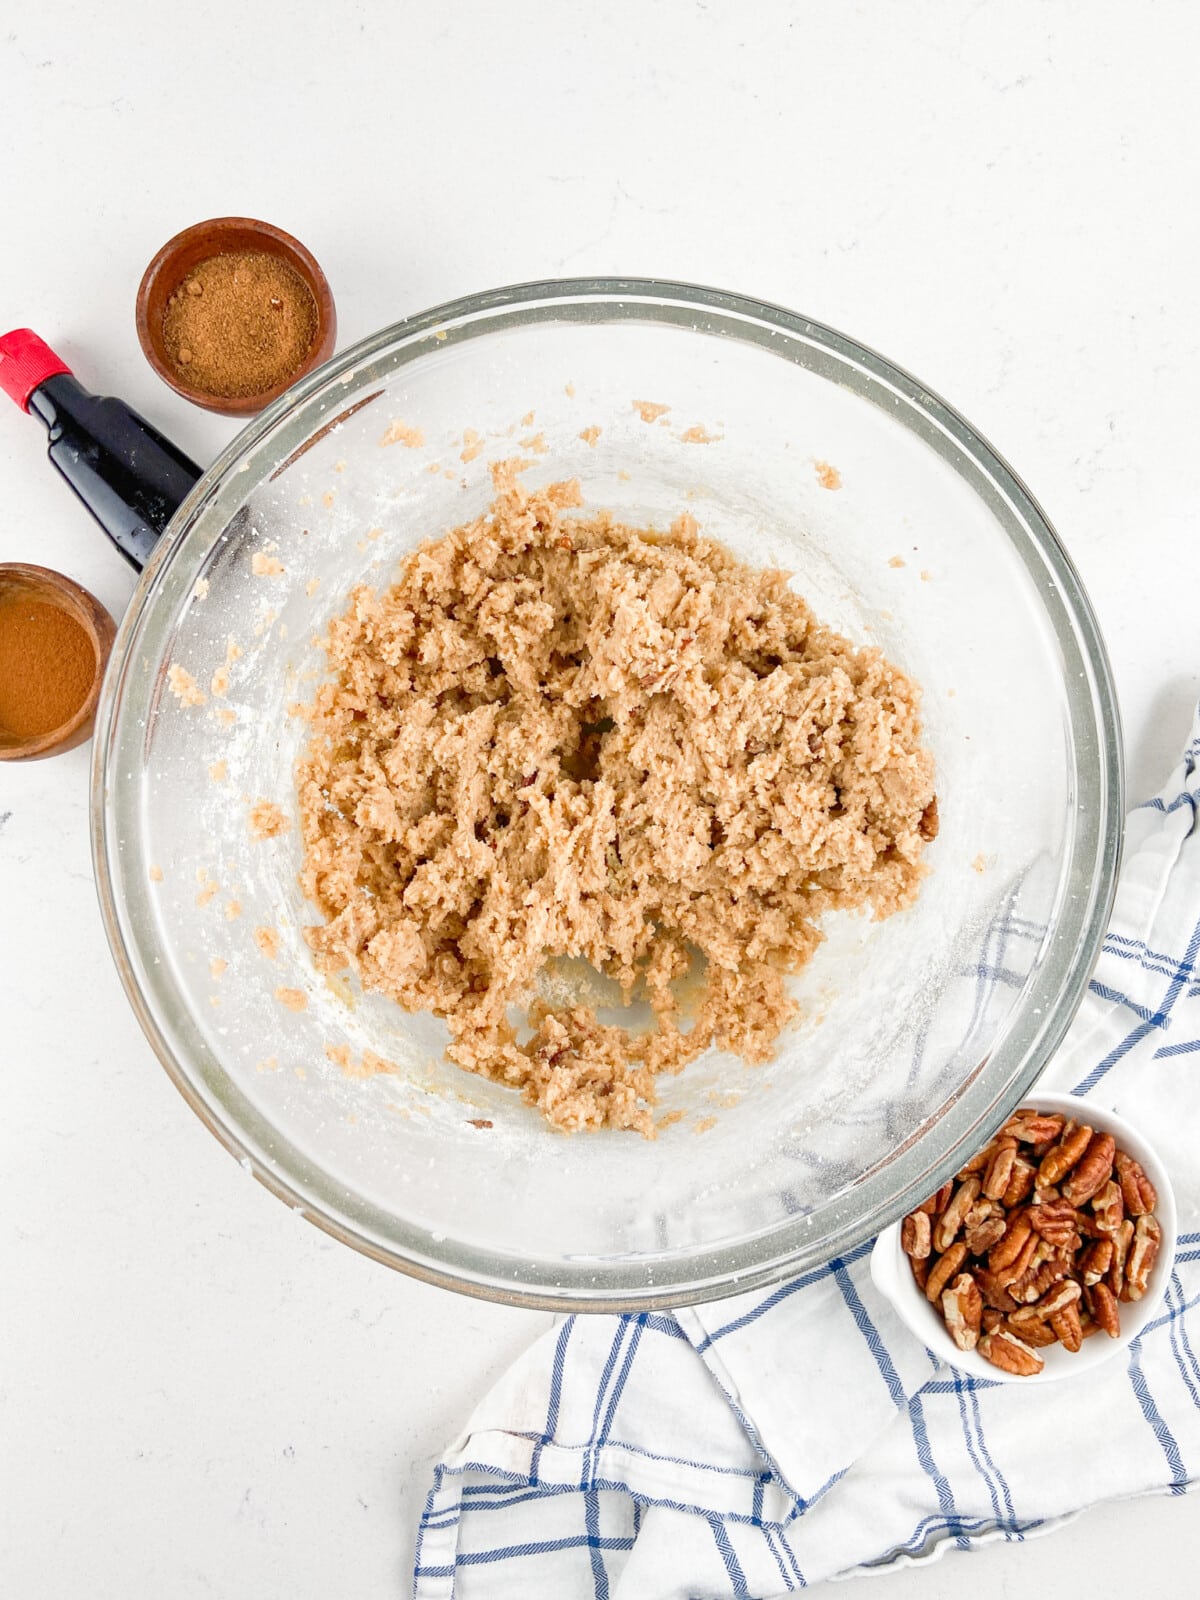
[{"x": 199, "y": 1394}]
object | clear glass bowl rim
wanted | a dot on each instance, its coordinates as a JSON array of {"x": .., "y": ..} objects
[{"x": 972, "y": 1115}]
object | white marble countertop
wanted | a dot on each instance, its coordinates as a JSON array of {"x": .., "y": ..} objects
[{"x": 200, "y": 1394}]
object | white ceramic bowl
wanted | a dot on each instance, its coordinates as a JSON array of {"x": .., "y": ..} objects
[{"x": 893, "y": 1275}]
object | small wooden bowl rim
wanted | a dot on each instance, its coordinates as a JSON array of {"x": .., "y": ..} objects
[
  {"x": 55, "y": 589},
  {"x": 200, "y": 242}
]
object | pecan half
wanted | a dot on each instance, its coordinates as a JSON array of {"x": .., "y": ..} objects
[
  {"x": 1033, "y": 1127},
  {"x": 951, "y": 1220},
  {"x": 1003, "y": 1255},
  {"x": 1044, "y": 1194},
  {"x": 999, "y": 1168},
  {"x": 1121, "y": 1240},
  {"x": 1057, "y": 1162},
  {"x": 916, "y": 1235},
  {"x": 1143, "y": 1253},
  {"x": 1056, "y": 1221},
  {"x": 1087, "y": 1325},
  {"x": 981, "y": 1236},
  {"x": 1095, "y": 1261},
  {"x": 1068, "y": 1327},
  {"x": 1139, "y": 1193},
  {"x": 1102, "y": 1306},
  {"x": 1093, "y": 1170},
  {"x": 1035, "y": 1333},
  {"x": 977, "y": 1162},
  {"x": 962, "y": 1307},
  {"x": 1004, "y": 1350},
  {"x": 1108, "y": 1209},
  {"x": 920, "y": 1270},
  {"x": 1020, "y": 1184},
  {"x": 939, "y": 1201},
  {"x": 943, "y": 1269},
  {"x": 1057, "y": 1299},
  {"x": 990, "y": 1319},
  {"x": 993, "y": 1291}
]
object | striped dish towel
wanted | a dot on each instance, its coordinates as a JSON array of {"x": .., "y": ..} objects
[{"x": 762, "y": 1444}]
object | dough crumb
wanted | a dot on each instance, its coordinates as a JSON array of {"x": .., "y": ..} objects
[
  {"x": 328, "y": 498},
  {"x": 220, "y": 682},
  {"x": 535, "y": 442},
  {"x": 206, "y": 893},
  {"x": 267, "y": 820},
  {"x": 699, "y": 435},
  {"x": 311, "y": 587},
  {"x": 649, "y": 410},
  {"x": 402, "y": 433},
  {"x": 216, "y": 967},
  {"x": 265, "y": 566},
  {"x": 218, "y": 771},
  {"x": 704, "y": 1124},
  {"x": 897, "y": 561},
  {"x": 267, "y": 940},
  {"x": 225, "y": 716},
  {"x": 926, "y": 575},
  {"x": 590, "y": 435},
  {"x": 200, "y": 589},
  {"x": 270, "y": 1064},
  {"x": 293, "y": 999},
  {"x": 980, "y": 863},
  {"x": 472, "y": 445},
  {"x": 827, "y": 476},
  {"x": 368, "y": 1065},
  {"x": 156, "y": 874},
  {"x": 669, "y": 1119},
  {"x": 233, "y": 910},
  {"x": 184, "y": 687},
  {"x": 556, "y": 735},
  {"x": 527, "y": 419},
  {"x": 569, "y": 390}
]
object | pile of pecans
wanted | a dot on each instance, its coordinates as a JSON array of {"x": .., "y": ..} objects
[{"x": 1036, "y": 1241}]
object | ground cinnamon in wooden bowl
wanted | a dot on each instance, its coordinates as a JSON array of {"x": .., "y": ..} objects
[
  {"x": 233, "y": 311},
  {"x": 54, "y": 642}
]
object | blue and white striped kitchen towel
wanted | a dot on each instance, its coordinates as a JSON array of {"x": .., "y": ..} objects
[{"x": 762, "y": 1444}]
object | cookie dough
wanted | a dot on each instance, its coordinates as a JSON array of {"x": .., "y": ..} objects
[{"x": 558, "y": 736}]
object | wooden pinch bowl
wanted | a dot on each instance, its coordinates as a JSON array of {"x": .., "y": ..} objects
[
  {"x": 20, "y": 580},
  {"x": 201, "y": 242}
]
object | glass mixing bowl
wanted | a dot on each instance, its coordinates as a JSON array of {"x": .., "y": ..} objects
[{"x": 797, "y": 448}]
